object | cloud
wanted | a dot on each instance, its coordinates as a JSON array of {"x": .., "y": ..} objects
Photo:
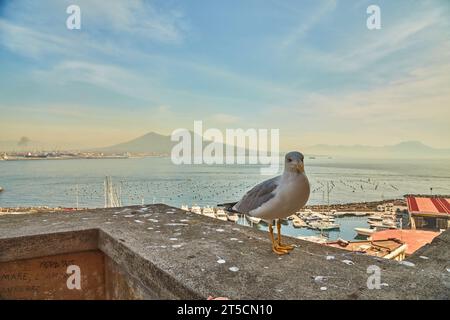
[
  {"x": 105, "y": 25},
  {"x": 324, "y": 8},
  {"x": 223, "y": 118}
]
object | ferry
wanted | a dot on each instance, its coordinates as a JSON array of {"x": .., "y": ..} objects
[
  {"x": 209, "y": 212},
  {"x": 221, "y": 215},
  {"x": 233, "y": 217},
  {"x": 196, "y": 209},
  {"x": 253, "y": 219},
  {"x": 364, "y": 231}
]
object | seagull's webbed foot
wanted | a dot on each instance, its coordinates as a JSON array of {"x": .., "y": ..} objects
[
  {"x": 280, "y": 245},
  {"x": 276, "y": 248}
]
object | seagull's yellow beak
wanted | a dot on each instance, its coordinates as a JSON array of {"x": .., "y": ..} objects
[{"x": 301, "y": 167}]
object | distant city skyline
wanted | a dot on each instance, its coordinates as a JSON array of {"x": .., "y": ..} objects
[{"x": 310, "y": 68}]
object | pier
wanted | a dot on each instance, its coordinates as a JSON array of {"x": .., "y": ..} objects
[{"x": 161, "y": 252}]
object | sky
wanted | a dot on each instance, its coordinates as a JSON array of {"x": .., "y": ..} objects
[{"x": 309, "y": 68}]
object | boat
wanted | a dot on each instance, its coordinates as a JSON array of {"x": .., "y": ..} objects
[
  {"x": 233, "y": 217},
  {"x": 221, "y": 215},
  {"x": 196, "y": 209},
  {"x": 209, "y": 212},
  {"x": 292, "y": 217},
  {"x": 185, "y": 208},
  {"x": 318, "y": 225},
  {"x": 375, "y": 218},
  {"x": 254, "y": 220},
  {"x": 299, "y": 223},
  {"x": 364, "y": 231}
]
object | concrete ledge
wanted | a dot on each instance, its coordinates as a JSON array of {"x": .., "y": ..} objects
[{"x": 166, "y": 253}]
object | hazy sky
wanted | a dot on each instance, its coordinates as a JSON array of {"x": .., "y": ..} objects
[{"x": 310, "y": 68}]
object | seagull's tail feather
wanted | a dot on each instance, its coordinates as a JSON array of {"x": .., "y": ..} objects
[{"x": 228, "y": 206}]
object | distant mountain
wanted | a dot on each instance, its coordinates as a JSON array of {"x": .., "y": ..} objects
[
  {"x": 407, "y": 149},
  {"x": 149, "y": 143}
]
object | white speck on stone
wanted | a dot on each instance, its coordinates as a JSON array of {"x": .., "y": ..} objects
[
  {"x": 323, "y": 288},
  {"x": 384, "y": 284},
  {"x": 235, "y": 229},
  {"x": 423, "y": 257},
  {"x": 319, "y": 278},
  {"x": 234, "y": 269},
  {"x": 407, "y": 263},
  {"x": 138, "y": 221},
  {"x": 152, "y": 220},
  {"x": 176, "y": 224},
  {"x": 173, "y": 239},
  {"x": 176, "y": 246},
  {"x": 348, "y": 262},
  {"x": 184, "y": 220},
  {"x": 266, "y": 267},
  {"x": 129, "y": 216},
  {"x": 448, "y": 269},
  {"x": 240, "y": 241},
  {"x": 149, "y": 228},
  {"x": 221, "y": 261},
  {"x": 233, "y": 239},
  {"x": 220, "y": 230},
  {"x": 330, "y": 257}
]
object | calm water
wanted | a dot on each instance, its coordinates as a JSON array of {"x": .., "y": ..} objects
[{"x": 156, "y": 180}]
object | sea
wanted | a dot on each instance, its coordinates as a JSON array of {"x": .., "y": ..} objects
[{"x": 80, "y": 182}]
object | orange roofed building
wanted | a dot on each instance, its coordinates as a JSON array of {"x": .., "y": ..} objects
[{"x": 429, "y": 212}]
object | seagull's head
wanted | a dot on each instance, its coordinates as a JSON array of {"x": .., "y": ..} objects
[{"x": 293, "y": 162}]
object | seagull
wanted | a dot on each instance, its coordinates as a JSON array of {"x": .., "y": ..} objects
[{"x": 277, "y": 198}]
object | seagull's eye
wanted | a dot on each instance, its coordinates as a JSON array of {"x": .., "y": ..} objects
[{"x": 289, "y": 160}]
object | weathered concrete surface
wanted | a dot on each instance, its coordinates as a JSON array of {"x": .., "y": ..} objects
[
  {"x": 168, "y": 253},
  {"x": 46, "y": 277}
]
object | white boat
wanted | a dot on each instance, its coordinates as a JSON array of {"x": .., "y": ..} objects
[
  {"x": 209, "y": 212},
  {"x": 299, "y": 223},
  {"x": 185, "y": 208},
  {"x": 233, "y": 217},
  {"x": 317, "y": 225},
  {"x": 375, "y": 218},
  {"x": 221, "y": 215},
  {"x": 196, "y": 209},
  {"x": 292, "y": 217},
  {"x": 364, "y": 231},
  {"x": 253, "y": 219}
]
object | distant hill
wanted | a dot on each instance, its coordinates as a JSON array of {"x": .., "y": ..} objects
[
  {"x": 408, "y": 149},
  {"x": 149, "y": 143}
]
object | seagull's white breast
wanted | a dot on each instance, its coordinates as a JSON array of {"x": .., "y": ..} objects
[{"x": 290, "y": 196}]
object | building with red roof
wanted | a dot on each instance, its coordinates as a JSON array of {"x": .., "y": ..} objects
[{"x": 429, "y": 212}]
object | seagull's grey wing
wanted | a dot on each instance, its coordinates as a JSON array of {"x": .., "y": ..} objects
[{"x": 257, "y": 196}]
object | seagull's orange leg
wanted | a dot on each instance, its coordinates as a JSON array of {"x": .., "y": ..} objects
[
  {"x": 280, "y": 245},
  {"x": 275, "y": 247}
]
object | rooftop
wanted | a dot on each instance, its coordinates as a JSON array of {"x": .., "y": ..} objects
[{"x": 157, "y": 251}]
